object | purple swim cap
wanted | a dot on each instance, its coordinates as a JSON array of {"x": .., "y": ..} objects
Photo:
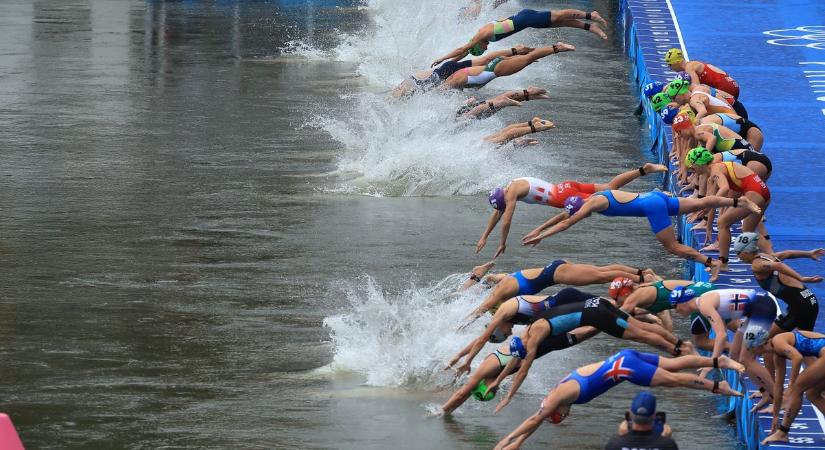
[
  {"x": 683, "y": 76},
  {"x": 573, "y": 204},
  {"x": 496, "y": 198}
]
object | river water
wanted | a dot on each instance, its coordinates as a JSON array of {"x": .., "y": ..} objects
[{"x": 216, "y": 232}]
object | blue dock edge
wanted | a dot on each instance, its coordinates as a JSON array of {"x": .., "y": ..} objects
[{"x": 649, "y": 31}]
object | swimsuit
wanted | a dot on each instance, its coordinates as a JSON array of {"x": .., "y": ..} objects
[
  {"x": 803, "y": 307},
  {"x": 656, "y": 206},
  {"x": 439, "y": 74},
  {"x": 526, "y": 18},
  {"x": 737, "y": 304},
  {"x": 550, "y": 344},
  {"x": 747, "y": 156},
  {"x": 544, "y": 280},
  {"x": 627, "y": 365},
  {"x": 528, "y": 311},
  {"x": 740, "y": 126},
  {"x": 595, "y": 312},
  {"x": 719, "y": 80},
  {"x": 713, "y": 101},
  {"x": 545, "y": 193},
  {"x": 724, "y": 144},
  {"x": 808, "y": 346},
  {"x": 751, "y": 183}
]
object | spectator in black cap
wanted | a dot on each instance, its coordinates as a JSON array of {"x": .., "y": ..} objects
[{"x": 641, "y": 435}]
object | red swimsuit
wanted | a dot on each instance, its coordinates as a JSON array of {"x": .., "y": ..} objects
[{"x": 719, "y": 80}]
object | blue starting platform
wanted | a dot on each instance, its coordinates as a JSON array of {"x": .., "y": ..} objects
[{"x": 775, "y": 49}]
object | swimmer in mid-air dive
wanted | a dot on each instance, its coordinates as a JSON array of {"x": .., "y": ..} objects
[
  {"x": 656, "y": 206},
  {"x": 533, "y": 281},
  {"x": 515, "y": 131},
  {"x": 478, "y": 76},
  {"x": 480, "y": 109},
  {"x": 702, "y": 73},
  {"x": 540, "y": 192},
  {"x": 652, "y": 297},
  {"x": 526, "y": 18},
  {"x": 642, "y": 369},
  {"x": 425, "y": 80}
]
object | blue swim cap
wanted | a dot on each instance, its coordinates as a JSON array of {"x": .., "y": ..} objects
[
  {"x": 681, "y": 294},
  {"x": 653, "y": 88},
  {"x": 517, "y": 349},
  {"x": 668, "y": 114},
  {"x": 573, "y": 204}
]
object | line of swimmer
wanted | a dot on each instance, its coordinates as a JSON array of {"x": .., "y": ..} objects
[{"x": 717, "y": 152}]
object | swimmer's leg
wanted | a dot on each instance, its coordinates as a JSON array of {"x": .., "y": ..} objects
[
  {"x": 668, "y": 240},
  {"x": 697, "y": 362},
  {"x": 584, "y": 274},
  {"x": 635, "y": 332},
  {"x": 663, "y": 377},
  {"x": 516, "y": 63},
  {"x": 574, "y": 14},
  {"x": 626, "y": 177}
]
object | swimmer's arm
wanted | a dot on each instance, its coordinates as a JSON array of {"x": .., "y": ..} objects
[
  {"x": 520, "y": 434},
  {"x": 582, "y": 214},
  {"x": 506, "y": 221},
  {"x": 646, "y": 316},
  {"x": 785, "y": 269},
  {"x": 719, "y": 329},
  {"x": 505, "y": 372},
  {"x": 629, "y": 303},
  {"x": 694, "y": 75},
  {"x": 814, "y": 254},
  {"x": 796, "y": 363},
  {"x": 698, "y": 104},
  {"x": 460, "y": 354},
  {"x": 519, "y": 377},
  {"x": 584, "y": 333},
  {"x": 710, "y": 140},
  {"x": 667, "y": 320},
  {"x": 553, "y": 220},
  {"x": 718, "y": 178},
  {"x": 779, "y": 381},
  {"x": 491, "y": 225}
]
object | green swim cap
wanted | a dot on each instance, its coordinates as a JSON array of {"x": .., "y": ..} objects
[
  {"x": 476, "y": 50},
  {"x": 677, "y": 87},
  {"x": 699, "y": 156},
  {"x": 478, "y": 392},
  {"x": 659, "y": 101}
]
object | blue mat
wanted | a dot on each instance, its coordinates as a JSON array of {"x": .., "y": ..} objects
[{"x": 772, "y": 51}]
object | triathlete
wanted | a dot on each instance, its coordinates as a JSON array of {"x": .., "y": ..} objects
[
  {"x": 642, "y": 369},
  {"x": 701, "y": 101},
  {"x": 502, "y": 66},
  {"x": 481, "y": 109},
  {"x": 782, "y": 281},
  {"x": 526, "y": 18},
  {"x": 653, "y": 297},
  {"x": 702, "y": 73},
  {"x": 656, "y": 206},
  {"x": 540, "y": 192}
]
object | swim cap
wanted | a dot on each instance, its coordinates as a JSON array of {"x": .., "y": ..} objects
[
  {"x": 681, "y": 294},
  {"x": 746, "y": 242},
  {"x": 476, "y": 50},
  {"x": 681, "y": 122},
  {"x": 673, "y": 56},
  {"x": 699, "y": 156},
  {"x": 479, "y": 394},
  {"x": 517, "y": 349},
  {"x": 573, "y": 204},
  {"x": 498, "y": 336},
  {"x": 683, "y": 76},
  {"x": 653, "y": 88},
  {"x": 659, "y": 101},
  {"x": 755, "y": 335},
  {"x": 496, "y": 198},
  {"x": 620, "y": 286},
  {"x": 686, "y": 109},
  {"x": 668, "y": 114},
  {"x": 555, "y": 417},
  {"x": 678, "y": 87}
]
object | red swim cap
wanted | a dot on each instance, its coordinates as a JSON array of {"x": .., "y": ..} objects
[
  {"x": 555, "y": 417},
  {"x": 681, "y": 122},
  {"x": 620, "y": 286}
]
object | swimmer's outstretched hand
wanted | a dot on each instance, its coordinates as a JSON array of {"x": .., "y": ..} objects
[
  {"x": 502, "y": 404},
  {"x": 814, "y": 279},
  {"x": 437, "y": 62},
  {"x": 531, "y": 240},
  {"x": 462, "y": 369},
  {"x": 500, "y": 251},
  {"x": 480, "y": 244},
  {"x": 817, "y": 253}
]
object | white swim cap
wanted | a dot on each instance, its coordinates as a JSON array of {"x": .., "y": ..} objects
[{"x": 746, "y": 242}]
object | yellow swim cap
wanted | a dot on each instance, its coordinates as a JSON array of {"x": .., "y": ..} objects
[{"x": 674, "y": 55}]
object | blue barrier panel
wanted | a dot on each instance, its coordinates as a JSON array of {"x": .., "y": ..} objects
[{"x": 776, "y": 51}]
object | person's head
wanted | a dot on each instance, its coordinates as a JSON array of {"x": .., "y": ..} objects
[
  {"x": 659, "y": 101},
  {"x": 698, "y": 159},
  {"x": 679, "y": 91},
  {"x": 643, "y": 410},
  {"x": 668, "y": 114},
  {"x": 573, "y": 204},
  {"x": 675, "y": 59},
  {"x": 501, "y": 333},
  {"x": 620, "y": 288},
  {"x": 496, "y": 198},
  {"x": 479, "y": 48},
  {"x": 745, "y": 246},
  {"x": 557, "y": 415},
  {"x": 687, "y": 110},
  {"x": 517, "y": 348},
  {"x": 683, "y": 76},
  {"x": 653, "y": 88},
  {"x": 756, "y": 333},
  {"x": 481, "y": 393},
  {"x": 682, "y": 299},
  {"x": 682, "y": 125}
]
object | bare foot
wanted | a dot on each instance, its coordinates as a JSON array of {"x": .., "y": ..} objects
[
  {"x": 597, "y": 31},
  {"x": 765, "y": 400},
  {"x": 756, "y": 394},
  {"x": 542, "y": 125},
  {"x": 598, "y": 18},
  {"x": 654, "y": 168},
  {"x": 725, "y": 389},
  {"x": 727, "y": 363},
  {"x": 482, "y": 270},
  {"x": 507, "y": 101},
  {"x": 524, "y": 142},
  {"x": 779, "y": 436},
  {"x": 565, "y": 47},
  {"x": 714, "y": 247},
  {"x": 745, "y": 202}
]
